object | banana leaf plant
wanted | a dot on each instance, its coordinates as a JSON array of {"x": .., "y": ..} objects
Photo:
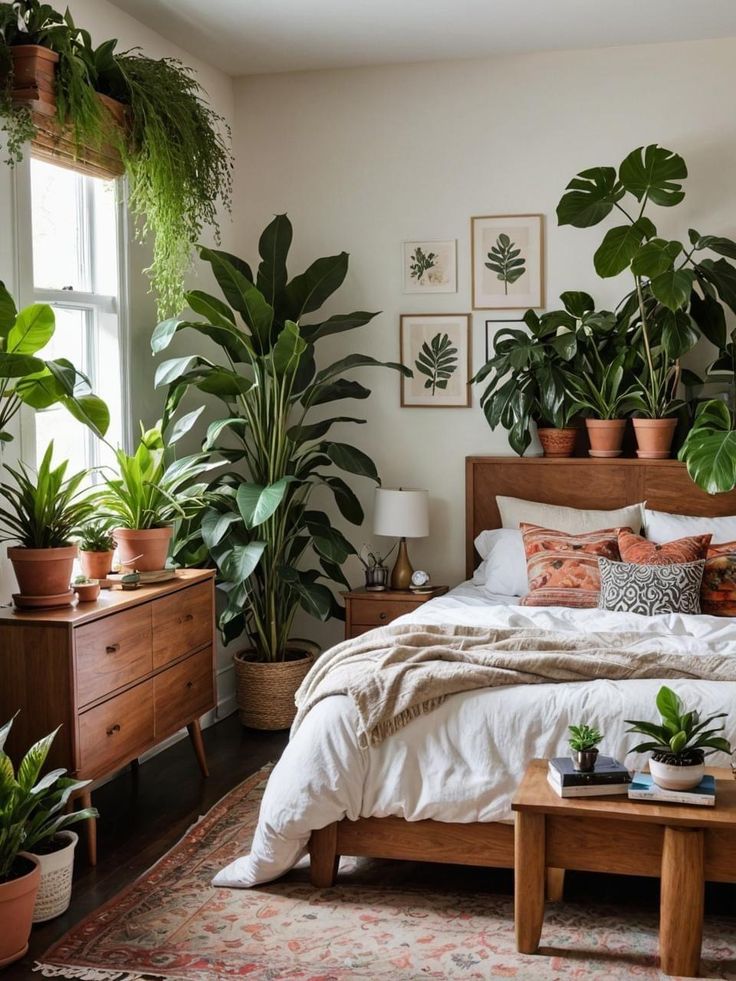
[
  {"x": 679, "y": 293},
  {"x": 528, "y": 378},
  {"x": 27, "y": 379},
  {"x": 276, "y": 549}
]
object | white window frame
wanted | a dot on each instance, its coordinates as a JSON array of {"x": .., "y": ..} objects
[{"x": 97, "y": 307}]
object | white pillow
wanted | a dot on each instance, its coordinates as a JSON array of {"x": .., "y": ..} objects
[
  {"x": 662, "y": 527},
  {"x": 514, "y": 511},
  {"x": 503, "y": 569}
]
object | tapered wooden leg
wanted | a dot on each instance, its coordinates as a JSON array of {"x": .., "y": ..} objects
[
  {"x": 555, "y": 885},
  {"x": 85, "y": 799},
  {"x": 529, "y": 880},
  {"x": 323, "y": 856},
  {"x": 195, "y": 734},
  {"x": 681, "y": 902}
]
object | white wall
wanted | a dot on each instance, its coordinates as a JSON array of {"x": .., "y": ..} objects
[{"x": 364, "y": 159}]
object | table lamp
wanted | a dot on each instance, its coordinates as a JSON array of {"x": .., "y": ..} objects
[{"x": 401, "y": 514}]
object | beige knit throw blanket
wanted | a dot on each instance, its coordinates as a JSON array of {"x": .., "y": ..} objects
[{"x": 399, "y": 672}]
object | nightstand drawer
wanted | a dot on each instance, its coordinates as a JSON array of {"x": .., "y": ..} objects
[{"x": 374, "y": 613}]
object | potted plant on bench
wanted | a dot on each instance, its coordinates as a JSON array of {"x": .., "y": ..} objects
[{"x": 679, "y": 743}]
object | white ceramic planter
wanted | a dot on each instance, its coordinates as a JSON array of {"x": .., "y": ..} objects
[
  {"x": 55, "y": 891},
  {"x": 670, "y": 777}
]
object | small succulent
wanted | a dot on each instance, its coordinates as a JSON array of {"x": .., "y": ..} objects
[
  {"x": 584, "y": 737},
  {"x": 96, "y": 537},
  {"x": 681, "y": 738}
]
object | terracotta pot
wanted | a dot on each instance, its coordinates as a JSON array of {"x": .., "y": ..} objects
[
  {"x": 606, "y": 437},
  {"x": 95, "y": 565},
  {"x": 87, "y": 592},
  {"x": 43, "y": 571},
  {"x": 16, "y": 910},
  {"x": 34, "y": 77},
  {"x": 557, "y": 442},
  {"x": 144, "y": 550},
  {"x": 654, "y": 437},
  {"x": 55, "y": 889},
  {"x": 265, "y": 690}
]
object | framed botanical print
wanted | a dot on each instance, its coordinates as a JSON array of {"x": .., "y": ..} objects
[
  {"x": 430, "y": 267},
  {"x": 436, "y": 346},
  {"x": 507, "y": 262}
]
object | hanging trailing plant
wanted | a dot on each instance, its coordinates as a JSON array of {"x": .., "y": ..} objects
[{"x": 173, "y": 146}]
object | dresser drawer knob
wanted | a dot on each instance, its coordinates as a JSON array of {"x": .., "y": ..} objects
[
  {"x": 112, "y": 648},
  {"x": 190, "y": 684},
  {"x": 383, "y": 615},
  {"x": 186, "y": 618},
  {"x": 113, "y": 729}
]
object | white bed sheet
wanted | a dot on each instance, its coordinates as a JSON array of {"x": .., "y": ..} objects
[{"x": 463, "y": 761}]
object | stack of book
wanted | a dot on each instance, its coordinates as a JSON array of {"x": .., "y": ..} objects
[
  {"x": 642, "y": 787},
  {"x": 608, "y": 777}
]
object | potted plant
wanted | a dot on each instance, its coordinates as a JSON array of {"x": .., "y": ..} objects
[
  {"x": 680, "y": 743},
  {"x": 87, "y": 590},
  {"x": 33, "y": 823},
  {"x": 527, "y": 378},
  {"x": 376, "y": 570},
  {"x": 151, "y": 491},
  {"x": 138, "y": 107},
  {"x": 274, "y": 550},
  {"x": 583, "y": 742},
  {"x": 677, "y": 294},
  {"x": 43, "y": 512},
  {"x": 27, "y": 379},
  {"x": 96, "y": 547}
]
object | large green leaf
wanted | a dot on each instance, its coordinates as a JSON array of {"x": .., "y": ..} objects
[
  {"x": 672, "y": 288},
  {"x": 358, "y": 361},
  {"x": 351, "y": 459},
  {"x": 316, "y": 430},
  {"x": 33, "y": 329},
  {"x": 19, "y": 365},
  {"x": 257, "y": 503},
  {"x": 175, "y": 368},
  {"x": 288, "y": 350},
  {"x": 90, "y": 410},
  {"x": 709, "y": 450},
  {"x": 242, "y": 295},
  {"x": 590, "y": 197},
  {"x": 242, "y": 560},
  {"x": 343, "y": 388},
  {"x": 8, "y": 312},
  {"x": 221, "y": 262},
  {"x": 654, "y": 172},
  {"x": 577, "y": 303},
  {"x": 346, "y": 500},
  {"x": 336, "y": 325},
  {"x": 708, "y": 314},
  {"x": 215, "y": 429},
  {"x": 309, "y": 291},
  {"x": 619, "y": 246},
  {"x": 722, "y": 275},
  {"x": 668, "y": 704},
  {"x": 210, "y": 307},
  {"x": 215, "y": 525},
  {"x": 273, "y": 248},
  {"x": 655, "y": 257},
  {"x": 717, "y": 243},
  {"x": 678, "y": 334}
]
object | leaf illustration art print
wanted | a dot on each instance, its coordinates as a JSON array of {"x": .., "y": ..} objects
[
  {"x": 506, "y": 261},
  {"x": 421, "y": 262},
  {"x": 437, "y": 361}
]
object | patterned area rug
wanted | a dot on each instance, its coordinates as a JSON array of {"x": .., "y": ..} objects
[{"x": 384, "y": 921}]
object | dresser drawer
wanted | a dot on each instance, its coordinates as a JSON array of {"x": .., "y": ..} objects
[
  {"x": 374, "y": 613},
  {"x": 112, "y": 652},
  {"x": 183, "y": 692},
  {"x": 182, "y": 622},
  {"x": 115, "y": 732}
]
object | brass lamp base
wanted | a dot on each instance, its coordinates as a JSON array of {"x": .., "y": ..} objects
[{"x": 402, "y": 571}]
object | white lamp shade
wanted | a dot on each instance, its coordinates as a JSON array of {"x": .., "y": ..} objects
[{"x": 401, "y": 513}]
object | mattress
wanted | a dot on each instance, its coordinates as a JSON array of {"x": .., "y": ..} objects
[{"x": 463, "y": 761}]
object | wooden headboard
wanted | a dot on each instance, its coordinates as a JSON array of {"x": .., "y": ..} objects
[{"x": 580, "y": 483}]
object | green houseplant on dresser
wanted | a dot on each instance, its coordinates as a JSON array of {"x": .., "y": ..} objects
[
  {"x": 33, "y": 825},
  {"x": 275, "y": 550}
]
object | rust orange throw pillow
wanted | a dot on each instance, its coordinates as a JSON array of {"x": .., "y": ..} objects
[
  {"x": 563, "y": 568},
  {"x": 718, "y": 592},
  {"x": 639, "y": 551}
]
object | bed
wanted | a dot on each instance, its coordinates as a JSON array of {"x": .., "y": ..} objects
[{"x": 440, "y": 789}]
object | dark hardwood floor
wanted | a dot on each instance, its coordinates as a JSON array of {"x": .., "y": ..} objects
[{"x": 144, "y": 812}]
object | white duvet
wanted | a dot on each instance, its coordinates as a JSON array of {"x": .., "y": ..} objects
[{"x": 463, "y": 761}]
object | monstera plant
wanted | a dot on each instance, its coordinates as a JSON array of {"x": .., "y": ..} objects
[
  {"x": 678, "y": 289},
  {"x": 275, "y": 548}
]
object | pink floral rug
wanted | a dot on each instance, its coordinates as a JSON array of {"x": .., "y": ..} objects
[{"x": 383, "y": 921}]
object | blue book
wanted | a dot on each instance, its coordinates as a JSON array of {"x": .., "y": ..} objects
[{"x": 643, "y": 787}]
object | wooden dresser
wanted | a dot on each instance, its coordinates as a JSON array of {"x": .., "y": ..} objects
[{"x": 118, "y": 675}]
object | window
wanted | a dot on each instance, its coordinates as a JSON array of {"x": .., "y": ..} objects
[{"x": 76, "y": 263}]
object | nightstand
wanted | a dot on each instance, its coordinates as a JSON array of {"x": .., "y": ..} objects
[{"x": 365, "y": 609}]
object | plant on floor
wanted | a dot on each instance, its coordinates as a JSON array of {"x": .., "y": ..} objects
[
  {"x": 174, "y": 147},
  {"x": 677, "y": 295},
  {"x": 26, "y": 379},
  {"x": 681, "y": 737},
  {"x": 274, "y": 548},
  {"x": 584, "y": 737}
]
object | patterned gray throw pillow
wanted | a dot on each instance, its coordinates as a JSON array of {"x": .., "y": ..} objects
[{"x": 650, "y": 589}]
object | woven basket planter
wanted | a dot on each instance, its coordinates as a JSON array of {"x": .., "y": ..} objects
[
  {"x": 265, "y": 689},
  {"x": 55, "y": 891}
]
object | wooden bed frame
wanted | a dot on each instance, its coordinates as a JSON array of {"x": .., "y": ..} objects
[{"x": 575, "y": 482}]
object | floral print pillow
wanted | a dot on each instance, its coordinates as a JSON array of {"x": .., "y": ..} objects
[{"x": 718, "y": 592}]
